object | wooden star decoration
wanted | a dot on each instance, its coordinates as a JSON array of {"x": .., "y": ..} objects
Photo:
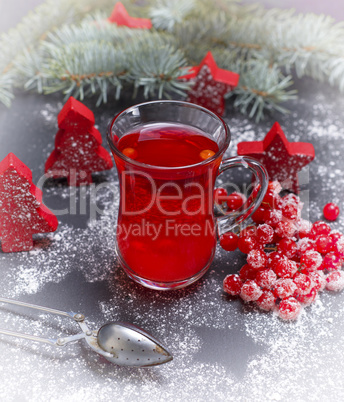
[
  {"x": 211, "y": 83},
  {"x": 121, "y": 17},
  {"x": 282, "y": 159}
]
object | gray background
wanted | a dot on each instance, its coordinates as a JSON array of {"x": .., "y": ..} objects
[{"x": 223, "y": 349}]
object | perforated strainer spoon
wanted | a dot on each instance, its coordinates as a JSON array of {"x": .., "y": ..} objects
[{"x": 121, "y": 343}]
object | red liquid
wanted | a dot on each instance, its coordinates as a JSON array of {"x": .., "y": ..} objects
[{"x": 166, "y": 227}]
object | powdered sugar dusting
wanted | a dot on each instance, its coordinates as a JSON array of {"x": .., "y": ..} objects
[{"x": 223, "y": 349}]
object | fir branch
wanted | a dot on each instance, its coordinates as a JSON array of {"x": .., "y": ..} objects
[
  {"x": 6, "y": 84},
  {"x": 167, "y": 13}
]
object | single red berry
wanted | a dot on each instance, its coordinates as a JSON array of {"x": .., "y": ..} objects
[
  {"x": 306, "y": 244},
  {"x": 308, "y": 298},
  {"x": 266, "y": 278},
  {"x": 311, "y": 260},
  {"x": 335, "y": 237},
  {"x": 265, "y": 234},
  {"x": 246, "y": 273},
  {"x": 331, "y": 211},
  {"x": 250, "y": 291},
  {"x": 289, "y": 309},
  {"x": 287, "y": 247},
  {"x": 319, "y": 280},
  {"x": 320, "y": 228},
  {"x": 272, "y": 217},
  {"x": 247, "y": 243},
  {"x": 274, "y": 186},
  {"x": 303, "y": 283},
  {"x": 286, "y": 268},
  {"x": 303, "y": 228},
  {"x": 272, "y": 200},
  {"x": 229, "y": 241},
  {"x": 258, "y": 216},
  {"x": 290, "y": 211},
  {"x": 339, "y": 248},
  {"x": 220, "y": 195},
  {"x": 257, "y": 259},
  {"x": 285, "y": 229},
  {"x": 274, "y": 258},
  {"x": 235, "y": 201},
  {"x": 324, "y": 244},
  {"x": 266, "y": 301},
  {"x": 232, "y": 284},
  {"x": 335, "y": 281},
  {"x": 284, "y": 287},
  {"x": 332, "y": 261}
]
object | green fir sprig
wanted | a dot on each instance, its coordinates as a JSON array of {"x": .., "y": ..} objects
[{"x": 69, "y": 46}]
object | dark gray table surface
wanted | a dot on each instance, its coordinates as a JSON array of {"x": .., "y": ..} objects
[{"x": 223, "y": 349}]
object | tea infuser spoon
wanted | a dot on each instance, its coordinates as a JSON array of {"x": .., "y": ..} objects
[{"x": 121, "y": 343}]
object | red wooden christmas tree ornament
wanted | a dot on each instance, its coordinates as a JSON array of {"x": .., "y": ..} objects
[
  {"x": 121, "y": 17},
  {"x": 281, "y": 158},
  {"x": 78, "y": 151},
  {"x": 22, "y": 213},
  {"x": 211, "y": 83}
]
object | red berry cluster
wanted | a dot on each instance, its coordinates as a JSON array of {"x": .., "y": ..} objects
[{"x": 289, "y": 259}]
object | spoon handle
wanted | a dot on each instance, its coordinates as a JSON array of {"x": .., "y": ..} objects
[
  {"x": 30, "y": 337},
  {"x": 34, "y": 306}
]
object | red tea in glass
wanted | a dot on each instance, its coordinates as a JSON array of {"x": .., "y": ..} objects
[{"x": 168, "y": 155}]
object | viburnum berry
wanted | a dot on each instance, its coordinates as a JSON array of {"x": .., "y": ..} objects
[
  {"x": 332, "y": 261},
  {"x": 274, "y": 258},
  {"x": 272, "y": 217},
  {"x": 287, "y": 247},
  {"x": 335, "y": 281},
  {"x": 285, "y": 229},
  {"x": 246, "y": 272},
  {"x": 284, "y": 287},
  {"x": 335, "y": 237},
  {"x": 272, "y": 200},
  {"x": 220, "y": 195},
  {"x": 235, "y": 201},
  {"x": 266, "y": 278},
  {"x": 250, "y": 291},
  {"x": 257, "y": 259},
  {"x": 339, "y": 248},
  {"x": 286, "y": 268},
  {"x": 320, "y": 228},
  {"x": 308, "y": 298},
  {"x": 324, "y": 244},
  {"x": 289, "y": 309},
  {"x": 265, "y": 234},
  {"x": 331, "y": 211},
  {"x": 247, "y": 242},
  {"x": 229, "y": 241},
  {"x": 319, "y": 280},
  {"x": 306, "y": 244},
  {"x": 303, "y": 228},
  {"x": 275, "y": 186},
  {"x": 258, "y": 215},
  {"x": 311, "y": 260},
  {"x": 290, "y": 211},
  {"x": 303, "y": 283},
  {"x": 232, "y": 284},
  {"x": 266, "y": 301}
]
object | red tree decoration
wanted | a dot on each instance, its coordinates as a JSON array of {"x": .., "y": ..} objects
[
  {"x": 78, "y": 151},
  {"x": 281, "y": 158},
  {"x": 121, "y": 17},
  {"x": 211, "y": 83},
  {"x": 22, "y": 212}
]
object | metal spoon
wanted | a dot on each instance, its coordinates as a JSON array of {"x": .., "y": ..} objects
[{"x": 121, "y": 343}]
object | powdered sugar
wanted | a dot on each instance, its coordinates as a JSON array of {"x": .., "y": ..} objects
[{"x": 223, "y": 349}]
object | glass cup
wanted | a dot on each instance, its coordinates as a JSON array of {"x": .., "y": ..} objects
[{"x": 167, "y": 231}]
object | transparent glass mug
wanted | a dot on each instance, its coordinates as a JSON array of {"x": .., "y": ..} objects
[{"x": 167, "y": 231}]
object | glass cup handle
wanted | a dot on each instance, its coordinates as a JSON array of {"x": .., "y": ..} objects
[{"x": 230, "y": 221}]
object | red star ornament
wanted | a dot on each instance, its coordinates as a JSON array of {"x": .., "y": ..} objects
[
  {"x": 211, "y": 83},
  {"x": 281, "y": 158},
  {"x": 121, "y": 17}
]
